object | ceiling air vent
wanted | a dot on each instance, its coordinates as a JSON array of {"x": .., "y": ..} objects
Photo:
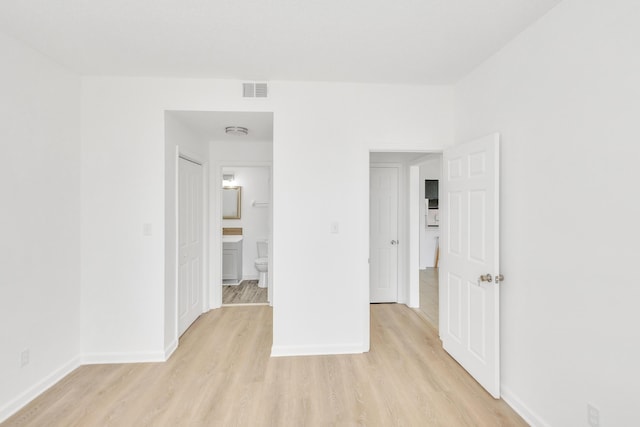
[{"x": 254, "y": 90}]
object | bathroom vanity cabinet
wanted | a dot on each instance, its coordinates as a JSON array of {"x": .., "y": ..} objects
[{"x": 232, "y": 258}]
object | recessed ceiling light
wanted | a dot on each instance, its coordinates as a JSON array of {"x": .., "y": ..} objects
[{"x": 236, "y": 130}]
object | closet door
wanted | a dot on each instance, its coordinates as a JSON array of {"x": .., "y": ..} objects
[{"x": 190, "y": 247}]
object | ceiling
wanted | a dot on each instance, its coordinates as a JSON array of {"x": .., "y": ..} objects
[
  {"x": 382, "y": 41},
  {"x": 210, "y": 125},
  {"x": 400, "y": 157}
]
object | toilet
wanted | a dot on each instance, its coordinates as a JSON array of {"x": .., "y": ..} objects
[{"x": 262, "y": 263}]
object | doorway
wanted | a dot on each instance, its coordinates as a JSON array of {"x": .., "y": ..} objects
[
  {"x": 202, "y": 136},
  {"x": 406, "y": 245},
  {"x": 244, "y": 162},
  {"x": 246, "y": 230},
  {"x": 468, "y": 307},
  {"x": 429, "y": 176}
]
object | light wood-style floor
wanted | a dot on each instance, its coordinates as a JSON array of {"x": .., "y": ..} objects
[
  {"x": 222, "y": 375},
  {"x": 247, "y": 292},
  {"x": 429, "y": 304}
]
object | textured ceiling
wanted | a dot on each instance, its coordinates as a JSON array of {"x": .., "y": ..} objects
[{"x": 406, "y": 41}]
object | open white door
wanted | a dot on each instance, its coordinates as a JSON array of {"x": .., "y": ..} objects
[
  {"x": 469, "y": 288},
  {"x": 383, "y": 234},
  {"x": 190, "y": 219}
]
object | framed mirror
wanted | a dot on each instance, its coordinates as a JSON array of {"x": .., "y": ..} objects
[{"x": 231, "y": 202}]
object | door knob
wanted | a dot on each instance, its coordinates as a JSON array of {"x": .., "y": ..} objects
[
  {"x": 486, "y": 278},
  {"x": 394, "y": 242}
]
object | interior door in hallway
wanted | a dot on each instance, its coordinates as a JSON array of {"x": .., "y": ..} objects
[
  {"x": 190, "y": 247},
  {"x": 383, "y": 234},
  {"x": 469, "y": 288}
]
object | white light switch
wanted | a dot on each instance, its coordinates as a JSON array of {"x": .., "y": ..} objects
[
  {"x": 335, "y": 228},
  {"x": 147, "y": 230}
]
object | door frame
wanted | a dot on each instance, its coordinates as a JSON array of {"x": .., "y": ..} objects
[
  {"x": 415, "y": 199},
  {"x": 215, "y": 239},
  {"x": 408, "y": 232},
  {"x": 192, "y": 157}
]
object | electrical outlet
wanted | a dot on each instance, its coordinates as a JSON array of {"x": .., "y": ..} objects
[
  {"x": 24, "y": 358},
  {"x": 593, "y": 415}
]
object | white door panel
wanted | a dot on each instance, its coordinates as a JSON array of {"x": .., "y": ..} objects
[
  {"x": 190, "y": 220},
  {"x": 469, "y": 306},
  {"x": 383, "y": 257}
]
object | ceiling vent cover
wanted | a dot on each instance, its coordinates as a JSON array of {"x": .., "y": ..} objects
[{"x": 254, "y": 90}]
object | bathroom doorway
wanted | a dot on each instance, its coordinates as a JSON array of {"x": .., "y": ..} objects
[
  {"x": 246, "y": 215},
  {"x": 241, "y": 155}
]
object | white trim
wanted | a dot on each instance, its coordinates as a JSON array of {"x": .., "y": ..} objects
[
  {"x": 315, "y": 350},
  {"x": 38, "y": 388},
  {"x": 413, "y": 299},
  {"x": 365, "y": 234},
  {"x": 415, "y": 226},
  {"x": 523, "y": 410},
  {"x": 187, "y": 157},
  {"x": 170, "y": 349},
  {"x": 108, "y": 358},
  {"x": 176, "y": 261},
  {"x": 245, "y": 304}
]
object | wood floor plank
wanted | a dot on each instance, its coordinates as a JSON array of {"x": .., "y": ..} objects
[
  {"x": 429, "y": 304},
  {"x": 247, "y": 292},
  {"x": 222, "y": 375}
]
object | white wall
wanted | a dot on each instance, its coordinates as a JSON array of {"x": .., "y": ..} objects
[
  {"x": 39, "y": 223},
  {"x": 178, "y": 138},
  {"x": 322, "y": 141},
  {"x": 322, "y": 136},
  {"x": 565, "y": 96},
  {"x": 123, "y": 170},
  {"x": 430, "y": 169},
  {"x": 254, "y": 220}
]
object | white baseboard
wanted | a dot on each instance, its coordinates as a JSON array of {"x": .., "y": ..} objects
[
  {"x": 108, "y": 358},
  {"x": 523, "y": 410},
  {"x": 168, "y": 351},
  {"x": 231, "y": 283},
  {"x": 86, "y": 359},
  {"x": 301, "y": 350},
  {"x": 251, "y": 277},
  {"x": 34, "y": 391}
]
